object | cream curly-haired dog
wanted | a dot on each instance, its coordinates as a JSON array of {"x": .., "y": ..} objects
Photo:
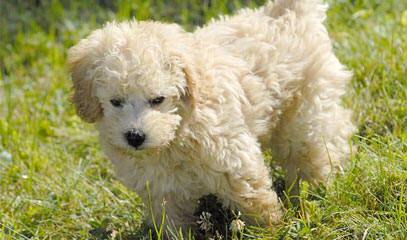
[{"x": 183, "y": 114}]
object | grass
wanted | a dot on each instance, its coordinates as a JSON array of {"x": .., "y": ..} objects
[{"x": 56, "y": 184}]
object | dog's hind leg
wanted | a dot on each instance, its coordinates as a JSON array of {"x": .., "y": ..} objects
[{"x": 312, "y": 138}]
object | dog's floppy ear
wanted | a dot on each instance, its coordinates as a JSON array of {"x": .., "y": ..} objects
[
  {"x": 79, "y": 61},
  {"x": 191, "y": 88}
]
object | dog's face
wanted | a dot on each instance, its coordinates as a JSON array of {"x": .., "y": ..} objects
[{"x": 132, "y": 79}]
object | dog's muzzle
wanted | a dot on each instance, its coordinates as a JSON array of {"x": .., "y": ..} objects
[{"x": 135, "y": 137}]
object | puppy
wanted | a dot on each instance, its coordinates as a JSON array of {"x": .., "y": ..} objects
[{"x": 182, "y": 115}]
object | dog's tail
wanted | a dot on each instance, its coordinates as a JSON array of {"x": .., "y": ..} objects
[{"x": 301, "y": 8}]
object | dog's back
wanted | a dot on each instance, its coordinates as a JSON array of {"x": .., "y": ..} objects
[
  {"x": 286, "y": 45},
  {"x": 279, "y": 42}
]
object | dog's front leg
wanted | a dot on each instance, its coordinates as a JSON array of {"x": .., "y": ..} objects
[
  {"x": 255, "y": 198},
  {"x": 246, "y": 181}
]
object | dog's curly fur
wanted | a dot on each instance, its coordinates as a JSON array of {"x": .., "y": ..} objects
[{"x": 263, "y": 78}]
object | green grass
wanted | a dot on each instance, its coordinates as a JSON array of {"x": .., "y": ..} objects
[{"x": 56, "y": 184}]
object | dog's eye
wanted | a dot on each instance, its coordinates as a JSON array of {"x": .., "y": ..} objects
[
  {"x": 156, "y": 101},
  {"x": 116, "y": 102}
]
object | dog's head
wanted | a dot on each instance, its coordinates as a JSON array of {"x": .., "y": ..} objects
[{"x": 135, "y": 80}]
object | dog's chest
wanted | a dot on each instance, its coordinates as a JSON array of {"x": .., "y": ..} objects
[{"x": 168, "y": 175}]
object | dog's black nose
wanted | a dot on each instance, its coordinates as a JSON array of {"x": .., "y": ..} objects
[{"x": 135, "y": 137}]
